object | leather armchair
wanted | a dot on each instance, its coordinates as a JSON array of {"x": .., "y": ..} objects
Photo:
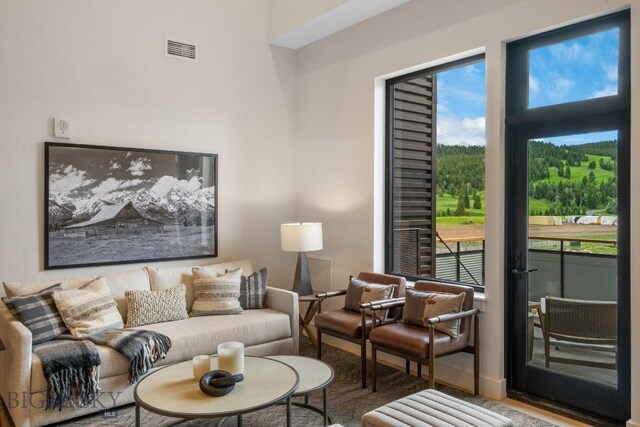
[
  {"x": 423, "y": 344},
  {"x": 353, "y": 326}
]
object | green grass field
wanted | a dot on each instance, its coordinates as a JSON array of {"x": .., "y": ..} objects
[{"x": 578, "y": 172}]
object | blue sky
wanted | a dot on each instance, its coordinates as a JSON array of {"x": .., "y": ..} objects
[
  {"x": 578, "y": 69},
  {"x": 461, "y": 97}
]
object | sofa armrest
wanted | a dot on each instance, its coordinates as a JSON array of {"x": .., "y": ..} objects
[
  {"x": 286, "y": 302},
  {"x": 15, "y": 366}
]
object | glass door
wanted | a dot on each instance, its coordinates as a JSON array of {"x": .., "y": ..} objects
[{"x": 567, "y": 222}]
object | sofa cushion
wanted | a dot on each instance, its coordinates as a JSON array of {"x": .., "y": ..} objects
[
  {"x": 190, "y": 337},
  {"x": 147, "y": 307},
  {"x": 165, "y": 278},
  {"x": 119, "y": 283},
  {"x": 16, "y": 289}
]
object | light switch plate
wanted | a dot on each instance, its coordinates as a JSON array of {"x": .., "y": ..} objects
[{"x": 62, "y": 128}]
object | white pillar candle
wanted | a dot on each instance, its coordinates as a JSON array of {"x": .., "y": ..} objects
[
  {"x": 231, "y": 357},
  {"x": 201, "y": 365}
]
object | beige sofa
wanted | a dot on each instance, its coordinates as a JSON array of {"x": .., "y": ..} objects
[{"x": 273, "y": 330}]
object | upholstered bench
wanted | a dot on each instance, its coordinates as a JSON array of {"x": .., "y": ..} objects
[{"x": 432, "y": 408}]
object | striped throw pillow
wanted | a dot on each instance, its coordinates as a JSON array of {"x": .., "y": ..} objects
[
  {"x": 38, "y": 313},
  {"x": 216, "y": 294},
  {"x": 88, "y": 310},
  {"x": 253, "y": 289}
]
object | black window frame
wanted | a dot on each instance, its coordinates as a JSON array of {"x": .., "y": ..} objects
[
  {"x": 389, "y": 167},
  {"x": 576, "y": 117}
]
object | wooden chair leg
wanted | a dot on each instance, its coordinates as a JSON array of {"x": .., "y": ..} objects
[
  {"x": 363, "y": 359},
  {"x": 407, "y": 366},
  {"x": 319, "y": 349},
  {"x": 476, "y": 356},
  {"x": 419, "y": 370},
  {"x": 432, "y": 376},
  {"x": 374, "y": 365}
]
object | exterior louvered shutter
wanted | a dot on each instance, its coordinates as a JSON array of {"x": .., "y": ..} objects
[{"x": 411, "y": 167}]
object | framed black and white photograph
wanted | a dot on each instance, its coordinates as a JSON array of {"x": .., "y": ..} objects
[{"x": 114, "y": 205}]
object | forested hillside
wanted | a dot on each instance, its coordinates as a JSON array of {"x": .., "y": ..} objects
[{"x": 563, "y": 180}]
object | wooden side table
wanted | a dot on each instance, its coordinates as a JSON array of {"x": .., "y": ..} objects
[{"x": 305, "y": 321}]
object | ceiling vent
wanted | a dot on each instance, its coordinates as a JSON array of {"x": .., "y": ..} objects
[{"x": 180, "y": 50}]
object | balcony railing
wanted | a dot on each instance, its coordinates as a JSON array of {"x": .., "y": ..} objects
[{"x": 564, "y": 269}]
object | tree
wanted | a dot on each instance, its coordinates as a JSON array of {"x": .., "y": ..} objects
[
  {"x": 560, "y": 171},
  {"x": 592, "y": 164},
  {"x": 460, "y": 210},
  {"x": 477, "y": 202},
  {"x": 567, "y": 173},
  {"x": 467, "y": 201},
  {"x": 592, "y": 177}
]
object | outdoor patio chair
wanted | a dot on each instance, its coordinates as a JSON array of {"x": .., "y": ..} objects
[{"x": 579, "y": 324}]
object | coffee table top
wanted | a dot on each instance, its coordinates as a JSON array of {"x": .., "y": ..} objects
[
  {"x": 172, "y": 391},
  {"x": 314, "y": 374}
]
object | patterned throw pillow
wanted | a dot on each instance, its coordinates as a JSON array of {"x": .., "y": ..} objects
[
  {"x": 253, "y": 289},
  {"x": 89, "y": 309},
  {"x": 38, "y": 313},
  {"x": 147, "y": 307},
  {"x": 420, "y": 306},
  {"x": 360, "y": 291},
  {"x": 216, "y": 294}
]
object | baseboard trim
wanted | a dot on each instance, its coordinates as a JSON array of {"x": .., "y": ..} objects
[
  {"x": 446, "y": 372},
  {"x": 632, "y": 423}
]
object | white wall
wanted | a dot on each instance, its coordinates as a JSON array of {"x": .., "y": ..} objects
[
  {"x": 339, "y": 152},
  {"x": 101, "y": 65}
]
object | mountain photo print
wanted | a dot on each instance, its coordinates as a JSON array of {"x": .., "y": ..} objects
[{"x": 113, "y": 205}]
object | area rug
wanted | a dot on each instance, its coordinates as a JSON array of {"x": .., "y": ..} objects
[{"x": 347, "y": 400}]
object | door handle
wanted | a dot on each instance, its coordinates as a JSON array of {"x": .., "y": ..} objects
[{"x": 516, "y": 271}]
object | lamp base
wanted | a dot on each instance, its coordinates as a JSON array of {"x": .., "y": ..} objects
[{"x": 302, "y": 279}]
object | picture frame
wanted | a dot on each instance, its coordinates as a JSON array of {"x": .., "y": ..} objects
[{"x": 108, "y": 205}]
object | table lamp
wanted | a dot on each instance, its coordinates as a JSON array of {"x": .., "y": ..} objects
[{"x": 301, "y": 237}]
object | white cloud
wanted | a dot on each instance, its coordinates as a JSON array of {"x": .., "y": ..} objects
[
  {"x": 534, "y": 84},
  {"x": 572, "y": 53},
  {"x": 110, "y": 185},
  {"x": 611, "y": 72},
  {"x": 114, "y": 165},
  {"x": 608, "y": 90},
  {"x": 461, "y": 131},
  {"x": 69, "y": 179},
  {"x": 139, "y": 166}
]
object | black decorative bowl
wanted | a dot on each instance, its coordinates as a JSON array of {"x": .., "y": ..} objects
[{"x": 218, "y": 383}]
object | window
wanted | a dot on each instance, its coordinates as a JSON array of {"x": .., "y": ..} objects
[
  {"x": 580, "y": 68},
  {"x": 435, "y": 173}
]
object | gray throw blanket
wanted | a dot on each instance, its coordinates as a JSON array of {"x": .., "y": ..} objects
[{"x": 71, "y": 365}]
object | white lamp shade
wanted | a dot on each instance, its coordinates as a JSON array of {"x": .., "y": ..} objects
[{"x": 301, "y": 237}]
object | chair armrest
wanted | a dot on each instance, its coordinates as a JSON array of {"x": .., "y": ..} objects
[
  {"x": 15, "y": 364},
  {"x": 330, "y": 294},
  {"x": 286, "y": 302},
  {"x": 383, "y": 304},
  {"x": 452, "y": 316}
]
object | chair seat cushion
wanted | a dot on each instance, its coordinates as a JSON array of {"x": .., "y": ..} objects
[
  {"x": 433, "y": 408},
  {"x": 413, "y": 340},
  {"x": 343, "y": 322}
]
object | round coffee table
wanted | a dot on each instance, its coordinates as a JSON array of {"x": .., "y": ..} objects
[
  {"x": 314, "y": 375},
  {"x": 173, "y": 392}
]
